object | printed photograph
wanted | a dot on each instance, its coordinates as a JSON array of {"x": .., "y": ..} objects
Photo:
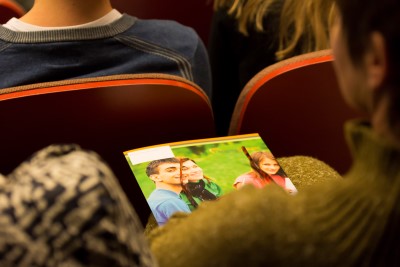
[{"x": 181, "y": 176}]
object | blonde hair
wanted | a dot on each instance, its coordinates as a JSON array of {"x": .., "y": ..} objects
[{"x": 303, "y": 23}]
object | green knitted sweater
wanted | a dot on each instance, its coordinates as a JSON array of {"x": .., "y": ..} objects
[{"x": 346, "y": 222}]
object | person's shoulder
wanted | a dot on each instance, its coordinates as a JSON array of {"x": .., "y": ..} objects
[
  {"x": 245, "y": 176},
  {"x": 171, "y": 204},
  {"x": 157, "y": 30},
  {"x": 250, "y": 174},
  {"x": 58, "y": 179},
  {"x": 161, "y": 194},
  {"x": 158, "y": 192},
  {"x": 163, "y": 24},
  {"x": 305, "y": 171}
]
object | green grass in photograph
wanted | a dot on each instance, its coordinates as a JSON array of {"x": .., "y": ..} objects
[{"x": 222, "y": 162}]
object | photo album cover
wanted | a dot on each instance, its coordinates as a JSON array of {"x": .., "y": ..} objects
[{"x": 179, "y": 176}]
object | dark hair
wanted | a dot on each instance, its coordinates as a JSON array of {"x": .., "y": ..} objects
[
  {"x": 362, "y": 17},
  {"x": 152, "y": 167},
  {"x": 204, "y": 176}
]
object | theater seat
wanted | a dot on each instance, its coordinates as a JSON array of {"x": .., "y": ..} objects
[
  {"x": 9, "y": 9},
  {"x": 296, "y": 107},
  {"x": 108, "y": 115}
]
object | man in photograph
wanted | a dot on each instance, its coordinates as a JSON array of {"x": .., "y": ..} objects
[{"x": 168, "y": 178}]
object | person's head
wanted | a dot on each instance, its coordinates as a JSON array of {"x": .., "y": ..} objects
[
  {"x": 303, "y": 24},
  {"x": 167, "y": 171},
  {"x": 365, "y": 40},
  {"x": 266, "y": 162},
  {"x": 194, "y": 172}
]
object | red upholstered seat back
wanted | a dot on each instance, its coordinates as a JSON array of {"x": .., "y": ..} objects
[
  {"x": 297, "y": 108},
  {"x": 9, "y": 9},
  {"x": 108, "y": 115}
]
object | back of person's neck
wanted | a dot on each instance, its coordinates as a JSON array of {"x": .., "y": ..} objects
[
  {"x": 388, "y": 129},
  {"x": 61, "y": 13}
]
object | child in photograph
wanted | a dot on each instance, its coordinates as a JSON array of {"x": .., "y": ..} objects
[{"x": 266, "y": 170}]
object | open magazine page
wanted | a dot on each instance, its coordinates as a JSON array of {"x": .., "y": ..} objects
[{"x": 180, "y": 176}]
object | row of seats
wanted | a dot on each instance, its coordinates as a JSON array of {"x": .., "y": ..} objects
[
  {"x": 108, "y": 115},
  {"x": 294, "y": 105}
]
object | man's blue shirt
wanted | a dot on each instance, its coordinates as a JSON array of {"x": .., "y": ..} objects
[{"x": 163, "y": 203}]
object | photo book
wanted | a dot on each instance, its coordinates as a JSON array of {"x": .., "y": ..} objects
[{"x": 180, "y": 176}]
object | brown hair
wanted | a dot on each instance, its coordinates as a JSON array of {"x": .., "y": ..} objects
[
  {"x": 152, "y": 167},
  {"x": 260, "y": 155},
  {"x": 381, "y": 16}
]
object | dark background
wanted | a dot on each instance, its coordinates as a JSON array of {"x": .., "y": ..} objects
[{"x": 194, "y": 13}]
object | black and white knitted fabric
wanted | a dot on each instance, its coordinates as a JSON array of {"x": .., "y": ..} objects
[{"x": 64, "y": 207}]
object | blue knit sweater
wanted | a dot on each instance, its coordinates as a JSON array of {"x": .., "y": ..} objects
[{"x": 128, "y": 45}]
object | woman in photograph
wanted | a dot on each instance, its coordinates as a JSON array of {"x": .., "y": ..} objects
[{"x": 199, "y": 187}]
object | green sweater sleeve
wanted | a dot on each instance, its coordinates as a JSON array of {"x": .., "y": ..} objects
[
  {"x": 330, "y": 222},
  {"x": 200, "y": 239}
]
